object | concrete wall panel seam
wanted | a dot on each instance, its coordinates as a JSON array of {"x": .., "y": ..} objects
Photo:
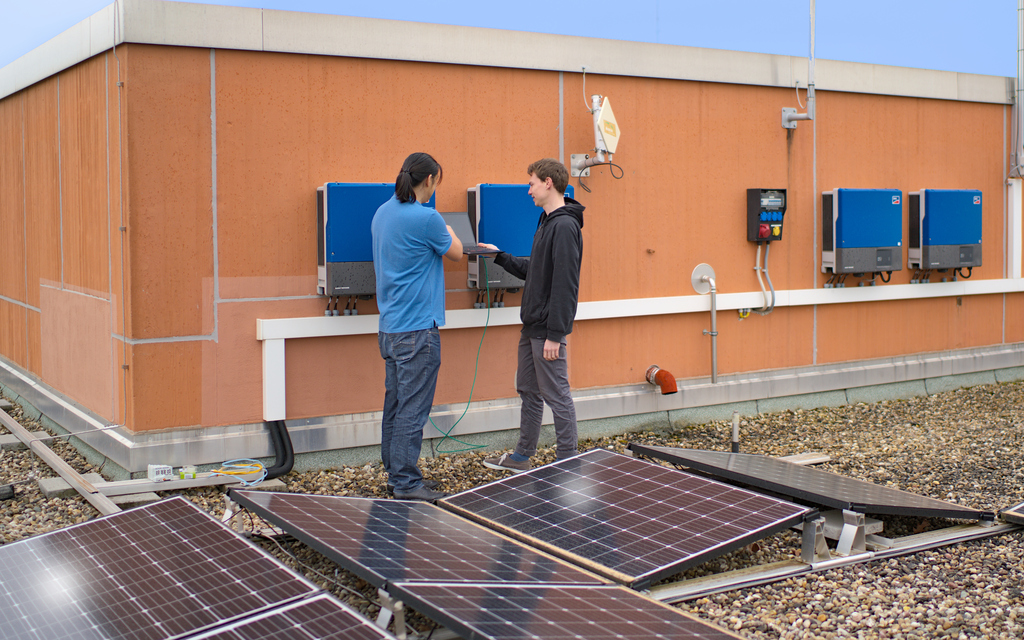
[
  {"x": 24, "y": 211},
  {"x": 60, "y": 188},
  {"x": 561, "y": 117},
  {"x": 110, "y": 240},
  {"x": 18, "y": 303},
  {"x": 213, "y": 183},
  {"x": 167, "y": 340}
]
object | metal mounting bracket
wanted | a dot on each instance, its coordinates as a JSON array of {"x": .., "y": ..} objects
[
  {"x": 851, "y": 540},
  {"x": 576, "y": 168},
  {"x": 787, "y": 121},
  {"x": 813, "y": 548},
  {"x": 391, "y": 608}
]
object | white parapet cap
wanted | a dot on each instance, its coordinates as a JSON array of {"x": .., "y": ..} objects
[{"x": 220, "y": 27}]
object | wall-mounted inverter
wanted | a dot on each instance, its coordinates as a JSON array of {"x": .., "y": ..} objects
[
  {"x": 503, "y": 215},
  {"x": 945, "y": 229},
  {"x": 344, "y": 211},
  {"x": 862, "y": 230}
]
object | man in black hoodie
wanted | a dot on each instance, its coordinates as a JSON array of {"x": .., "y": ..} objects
[{"x": 552, "y": 275}]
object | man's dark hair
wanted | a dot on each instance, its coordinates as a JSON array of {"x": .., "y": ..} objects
[
  {"x": 414, "y": 171},
  {"x": 550, "y": 168}
]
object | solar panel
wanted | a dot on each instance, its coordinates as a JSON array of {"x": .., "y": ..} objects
[
  {"x": 515, "y": 612},
  {"x": 631, "y": 520},
  {"x": 1014, "y": 514},
  {"x": 318, "y": 618},
  {"x": 813, "y": 485},
  {"x": 384, "y": 541},
  {"x": 159, "y": 571}
]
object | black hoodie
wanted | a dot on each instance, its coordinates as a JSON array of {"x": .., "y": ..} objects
[{"x": 552, "y": 273}]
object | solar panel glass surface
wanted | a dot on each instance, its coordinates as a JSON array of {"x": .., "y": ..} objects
[
  {"x": 158, "y": 571},
  {"x": 515, "y": 612},
  {"x": 813, "y": 485},
  {"x": 389, "y": 540},
  {"x": 632, "y": 520},
  {"x": 318, "y": 618},
  {"x": 1014, "y": 514}
]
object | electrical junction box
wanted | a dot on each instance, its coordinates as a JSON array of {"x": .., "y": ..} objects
[
  {"x": 862, "y": 230},
  {"x": 945, "y": 229},
  {"x": 344, "y": 211},
  {"x": 766, "y": 209},
  {"x": 503, "y": 215}
]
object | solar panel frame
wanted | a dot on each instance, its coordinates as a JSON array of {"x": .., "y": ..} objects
[
  {"x": 1014, "y": 514},
  {"x": 586, "y": 509},
  {"x": 513, "y": 612},
  {"x": 320, "y": 617},
  {"x": 766, "y": 473},
  {"x": 443, "y": 546},
  {"x": 163, "y": 570}
]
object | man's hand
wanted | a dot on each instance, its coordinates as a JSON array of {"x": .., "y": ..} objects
[
  {"x": 551, "y": 349},
  {"x": 489, "y": 246}
]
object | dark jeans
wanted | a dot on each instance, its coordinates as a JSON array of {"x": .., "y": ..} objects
[
  {"x": 539, "y": 381},
  {"x": 411, "y": 362}
]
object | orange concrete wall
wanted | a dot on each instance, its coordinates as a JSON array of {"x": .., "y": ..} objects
[
  {"x": 55, "y": 216},
  {"x": 286, "y": 123}
]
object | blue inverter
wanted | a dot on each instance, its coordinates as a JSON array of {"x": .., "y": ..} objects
[
  {"x": 344, "y": 211},
  {"x": 503, "y": 215},
  {"x": 945, "y": 229},
  {"x": 862, "y": 230}
]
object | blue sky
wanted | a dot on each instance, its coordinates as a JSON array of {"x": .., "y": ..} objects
[{"x": 978, "y": 36}]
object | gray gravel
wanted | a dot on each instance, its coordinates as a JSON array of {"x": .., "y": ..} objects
[{"x": 962, "y": 446}]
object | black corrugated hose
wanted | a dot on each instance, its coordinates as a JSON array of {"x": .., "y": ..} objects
[{"x": 284, "y": 457}]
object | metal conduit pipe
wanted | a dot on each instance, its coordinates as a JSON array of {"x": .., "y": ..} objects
[
  {"x": 284, "y": 456},
  {"x": 703, "y": 281},
  {"x": 1018, "y": 120},
  {"x": 714, "y": 330}
]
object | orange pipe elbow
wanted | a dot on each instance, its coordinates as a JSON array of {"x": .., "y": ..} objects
[{"x": 663, "y": 379}]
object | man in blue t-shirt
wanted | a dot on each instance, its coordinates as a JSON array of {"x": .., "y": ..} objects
[{"x": 409, "y": 240}]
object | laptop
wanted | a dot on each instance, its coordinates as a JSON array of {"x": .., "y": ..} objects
[{"x": 478, "y": 250}]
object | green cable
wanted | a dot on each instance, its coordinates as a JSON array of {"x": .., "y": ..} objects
[{"x": 476, "y": 369}]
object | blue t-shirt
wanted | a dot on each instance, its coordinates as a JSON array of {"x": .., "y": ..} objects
[{"x": 409, "y": 241}]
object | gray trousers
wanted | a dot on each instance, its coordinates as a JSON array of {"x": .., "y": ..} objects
[{"x": 539, "y": 381}]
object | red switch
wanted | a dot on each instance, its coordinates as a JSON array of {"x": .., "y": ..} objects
[{"x": 764, "y": 231}]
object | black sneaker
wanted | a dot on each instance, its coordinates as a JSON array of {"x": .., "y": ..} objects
[
  {"x": 430, "y": 484},
  {"x": 420, "y": 493}
]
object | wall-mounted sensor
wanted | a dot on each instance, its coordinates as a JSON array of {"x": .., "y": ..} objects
[{"x": 606, "y": 139}]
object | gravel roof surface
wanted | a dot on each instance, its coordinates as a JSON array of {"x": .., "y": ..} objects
[{"x": 962, "y": 446}]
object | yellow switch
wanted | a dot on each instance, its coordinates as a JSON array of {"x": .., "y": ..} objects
[{"x": 776, "y": 231}]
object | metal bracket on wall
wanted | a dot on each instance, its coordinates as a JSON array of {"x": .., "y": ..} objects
[{"x": 576, "y": 168}]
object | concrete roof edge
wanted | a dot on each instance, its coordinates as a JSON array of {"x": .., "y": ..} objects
[
  {"x": 224, "y": 27},
  {"x": 84, "y": 40}
]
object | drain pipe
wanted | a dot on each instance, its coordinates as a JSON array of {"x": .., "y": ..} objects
[
  {"x": 284, "y": 456},
  {"x": 661, "y": 378}
]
